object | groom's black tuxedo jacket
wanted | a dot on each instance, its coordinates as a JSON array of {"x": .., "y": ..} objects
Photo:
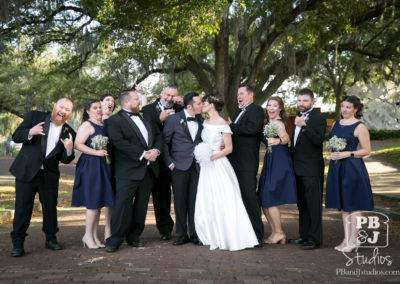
[
  {"x": 246, "y": 139},
  {"x": 307, "y": 154},
  {"x": 128, "y": 144},
  {"x": 32, "y": 155}
]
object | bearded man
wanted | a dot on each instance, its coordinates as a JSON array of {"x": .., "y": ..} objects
[{"x": 47, "y": 140}]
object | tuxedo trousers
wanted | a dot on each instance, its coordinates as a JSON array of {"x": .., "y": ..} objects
[
  {"x": 24, "y": 199},
  {"x": 309, "y": 203},
  {"x": 161, "y": 193},
  {"x": 248, "y": 185},
  {"x": 184, "y": 186},
  {"x": 130, "y": 209}
]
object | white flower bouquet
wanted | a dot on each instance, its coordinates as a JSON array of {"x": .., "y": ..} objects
[
  {"x": 99, "y": 142},
  {"x": 271, "y": 129},
  {"x": 336, "y": 144}
]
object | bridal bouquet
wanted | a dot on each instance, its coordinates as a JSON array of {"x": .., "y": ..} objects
[
  {"x": 271, "y": 130},
  {"x": 336, "y": 144},
  {"x": 202, "y": 153},
  {"x": 99, "y": 142}
]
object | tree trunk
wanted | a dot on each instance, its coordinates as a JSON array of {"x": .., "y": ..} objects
[{"x": 338, "y": 102}]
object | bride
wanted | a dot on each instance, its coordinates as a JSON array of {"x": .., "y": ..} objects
[{"x": 220, "y": 217}]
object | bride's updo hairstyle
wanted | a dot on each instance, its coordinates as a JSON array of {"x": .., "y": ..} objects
[
  {"x": 213, "y": 99},
  {"x": 357, "y": 104}
]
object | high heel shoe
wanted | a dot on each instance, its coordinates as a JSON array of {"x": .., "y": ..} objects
[
  {"x": 85, "y": 244},
  {"x": 339, "y": 247},
  {"x": 100, "y": 245},
  {"x": 281, "y": 240},
  {"x": 350, "y": 248}
]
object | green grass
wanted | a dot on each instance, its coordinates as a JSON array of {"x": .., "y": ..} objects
[
  {"x": 7, "y": 192},
  {"x": 391, "y": 153}
]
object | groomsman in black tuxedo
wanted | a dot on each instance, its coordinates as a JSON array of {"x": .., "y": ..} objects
[
  {"x": 307, "y": 139},
  {"x": 136, "y": 143},
  {"x": 182, "y": 132},
  {"x": 247, "y": 129},
  {"x": 47, "y": 140},
  {"x": 168, "y": 104}
]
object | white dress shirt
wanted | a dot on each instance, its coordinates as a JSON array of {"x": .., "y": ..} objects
[
  {"x": 192, "y": 125},
  {"x": 241, "y": 113},
  {"x": 53, "y": 137}
]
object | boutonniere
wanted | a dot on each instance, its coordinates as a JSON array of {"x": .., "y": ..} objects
[
  {"x": 158, "y": 107},
  {"x": 66, "y": 129},
  {"x": 141, "y": 114},
  {"x": 306, "y": 118},
  {"x": 183, "y": 122}
]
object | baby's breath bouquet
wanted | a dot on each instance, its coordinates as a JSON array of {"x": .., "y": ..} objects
[
  {"x": 99, "y": 142},
  {"x": 271, "y": 129},
  {"x": 336, "y": 144}
]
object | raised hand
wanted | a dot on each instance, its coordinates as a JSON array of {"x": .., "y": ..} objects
[
  {"x": 68, "y": 144},
  {"x": 300, "y": 120},
  {"x": 164, "y": 114},
  {"x": 37, "y": 130}
]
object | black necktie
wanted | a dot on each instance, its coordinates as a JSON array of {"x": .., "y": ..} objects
[{"x": 191, "y": 118}]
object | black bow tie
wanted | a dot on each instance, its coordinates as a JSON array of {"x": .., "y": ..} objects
[
  {"x": 191, "y": 118},
  {"x": 132, "y": 113},
  {"x": 301, "y": 113}
]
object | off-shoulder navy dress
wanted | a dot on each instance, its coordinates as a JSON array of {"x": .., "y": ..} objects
[
  {"x": 348, "y": 187},
  {"x": 277, "y": 183},
  {"x": 92, "y": 186}
]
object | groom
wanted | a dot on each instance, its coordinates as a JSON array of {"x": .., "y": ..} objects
[
  {"x": 246, "y": 128},
  {"x": 181, "y": 134}
]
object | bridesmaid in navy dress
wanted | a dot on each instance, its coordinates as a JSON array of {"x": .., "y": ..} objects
[
  {"x": 348, "y": 187},
  {"x": 277, "y": 184},
  {"x": 92, "y": 186}
]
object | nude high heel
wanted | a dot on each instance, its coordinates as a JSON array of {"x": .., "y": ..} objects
[
  {"x": 85, "y": 244},
  {"x": 350, "y": 247},
  {"x": 280, "y": 240}
]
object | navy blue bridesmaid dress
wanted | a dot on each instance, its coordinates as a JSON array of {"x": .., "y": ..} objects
[
  {"x": 277, "y": 183},
  {"x": 92, "y": 186},
  {"x": 348, "y": 187}
]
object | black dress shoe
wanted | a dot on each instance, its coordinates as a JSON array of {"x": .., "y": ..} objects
[
  {"x": 53, "y": 245},
  {"x": 17, "y": 252},
  {"x": 111, "y": 248},
  {"x": 136, "y": 244},
  {"x": 309, "y": 245},
  {"x": 197, "y": 242},
  {"x": 298, "y": 241},
  {"x": 165, "y": 236},
  {"x": 181, "y": 241},
  {"x": 259, "y": 245}
]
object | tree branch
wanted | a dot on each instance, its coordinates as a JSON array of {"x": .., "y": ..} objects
[
  {"x": 159, "y": 70},
  {"x": 271, "y": 37}
]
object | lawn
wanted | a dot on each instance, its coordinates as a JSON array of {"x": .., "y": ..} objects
[
  {"x": 7, "y": 192},
  {"x": 391, "y": 153}
]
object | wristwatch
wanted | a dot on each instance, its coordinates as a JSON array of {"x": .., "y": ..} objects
[{"x": 352, "y": 154}]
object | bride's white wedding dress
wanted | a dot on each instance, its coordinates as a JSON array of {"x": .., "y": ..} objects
[{"x": 220, "y": 217}]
